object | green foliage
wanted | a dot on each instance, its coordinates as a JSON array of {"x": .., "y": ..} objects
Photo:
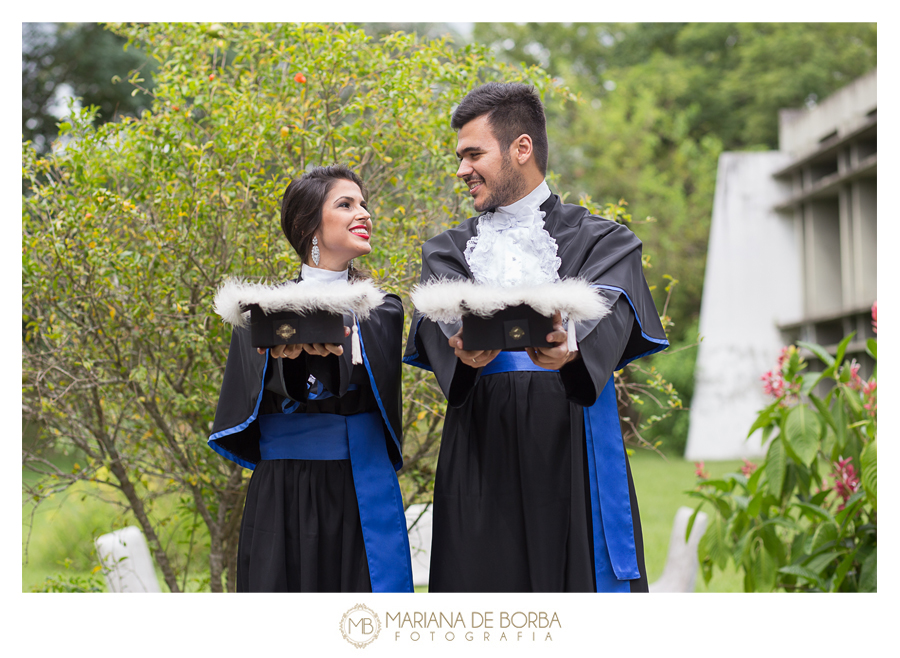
[
  {"x": 129, "y": 226},
  {"x": 783, "y": 524},
  {"x": 82, "y": 59},
  {"x": 676, "y": 367},
  {"x": 70, "y": 582}
]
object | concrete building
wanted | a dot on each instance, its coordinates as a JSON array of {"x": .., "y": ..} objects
[{"x": 791, "y": 257}]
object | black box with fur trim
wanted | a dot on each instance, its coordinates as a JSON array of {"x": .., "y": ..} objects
[{"x": 512, "y": 328}]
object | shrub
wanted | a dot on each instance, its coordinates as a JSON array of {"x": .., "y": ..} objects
[{"x": 805, "y": 519}]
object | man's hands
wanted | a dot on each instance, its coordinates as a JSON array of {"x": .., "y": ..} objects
[
  {"x": 316, "y": 349},
  {"x": 553, "y": 358},
  {"x": 474, "y": 358}
]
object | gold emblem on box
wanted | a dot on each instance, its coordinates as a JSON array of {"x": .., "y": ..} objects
[
  {"x": 285, "y": 331},
  {"x": 516, "y": 332}
]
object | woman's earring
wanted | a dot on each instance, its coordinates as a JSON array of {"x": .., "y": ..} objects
[
  {"x": 350, "y": 264},
  {"x": 315, "y": 250}
]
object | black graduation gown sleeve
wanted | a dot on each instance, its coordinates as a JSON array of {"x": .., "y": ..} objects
[
  {"x": 427, "y": 346},
  {"x": 235, "y": 434},
  {"x": 252, "y": 381},
  {"x": 607, "y": 255}
]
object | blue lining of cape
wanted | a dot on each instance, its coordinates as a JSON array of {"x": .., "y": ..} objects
[
  {"x": 387, "y": 423},
  {"x": 662, "y": 343}
]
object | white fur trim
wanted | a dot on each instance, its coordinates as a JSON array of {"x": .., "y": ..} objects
[
  {"x": 234, "y": 296},
  {"x": 447, "y": 301}
]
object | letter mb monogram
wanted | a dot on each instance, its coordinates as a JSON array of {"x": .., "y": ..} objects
[{"x": 360, "y": 625}]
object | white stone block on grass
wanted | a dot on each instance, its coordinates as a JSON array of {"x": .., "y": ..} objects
[
  {"x": 680, "y": 572},
  {"x": 126, "y": 561},
  {"x": 418, "y": 524}
]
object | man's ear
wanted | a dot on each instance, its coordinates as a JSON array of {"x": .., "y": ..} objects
[{"x": 523, "y": 149}]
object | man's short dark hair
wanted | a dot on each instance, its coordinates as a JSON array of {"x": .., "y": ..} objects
[{"x": 512, "y": 109}]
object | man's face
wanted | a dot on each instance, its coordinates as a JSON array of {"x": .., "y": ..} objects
[{"x": 487, "y": 169}]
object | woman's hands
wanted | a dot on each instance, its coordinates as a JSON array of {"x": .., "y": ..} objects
[{"x": 316, "y": 349}]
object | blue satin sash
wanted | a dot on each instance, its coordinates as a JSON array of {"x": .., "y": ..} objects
[
  {"x": 360, "y": 438},
  {"x": 615, "y": 556},
  {"x": 511, "y": 361},
  {"x": 317, "y": 436}
]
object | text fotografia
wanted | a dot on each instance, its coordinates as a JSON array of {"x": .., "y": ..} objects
[{"x": 477, "y": 627}]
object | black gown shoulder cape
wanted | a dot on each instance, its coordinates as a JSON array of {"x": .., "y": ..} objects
[
  {"x": 255, "y": 385},
  {"x": 608, "y": 256}
]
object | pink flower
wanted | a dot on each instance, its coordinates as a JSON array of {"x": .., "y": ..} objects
[
  {"x": 846, "y": 482},
  {"x": 700, "y": 472},
  {"x": 748, "y": 468},
  {"x": 870, "y": 396},
  {"x": 774, "y": 383},
  {"x": 856, "y": 382},
  {"x": 875, "y": 316}
]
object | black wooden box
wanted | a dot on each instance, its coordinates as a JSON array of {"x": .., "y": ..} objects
[
  {"x": 512, "y": 328},
  {"x": 290, "y": 328}
]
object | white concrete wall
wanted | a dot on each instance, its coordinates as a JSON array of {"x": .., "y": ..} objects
[
  {"x": 752, "y": 283},
  {"x": 844, "y": 110}
]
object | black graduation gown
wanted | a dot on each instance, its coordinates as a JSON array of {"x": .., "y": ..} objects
[
  {"x": 302, "y": 528},
  {"x": 512, "y": 499}
]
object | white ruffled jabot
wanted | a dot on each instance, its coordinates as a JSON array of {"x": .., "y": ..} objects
[{"x": 512, "y": 248}]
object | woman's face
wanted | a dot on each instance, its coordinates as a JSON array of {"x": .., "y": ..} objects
[{"x": 346, "y": 227}]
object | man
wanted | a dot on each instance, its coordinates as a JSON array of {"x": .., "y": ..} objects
[{"x": 533, "y": 491}]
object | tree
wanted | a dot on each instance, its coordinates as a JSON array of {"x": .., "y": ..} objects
[
  {"x": 80, "y": 59},
  {"x": 129, "y": 228}
]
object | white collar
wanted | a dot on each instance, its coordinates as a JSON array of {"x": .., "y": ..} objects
[
  {"x": 318, "y": 275},
  {"x": 532, "y": 200}
]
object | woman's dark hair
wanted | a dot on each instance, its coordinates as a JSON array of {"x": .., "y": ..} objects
[
  {"x": 512, "y": 109},
  {"x": 301, "y": 206}
]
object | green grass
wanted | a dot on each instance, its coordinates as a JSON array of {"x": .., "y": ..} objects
[{"x": 660, "y": 486}]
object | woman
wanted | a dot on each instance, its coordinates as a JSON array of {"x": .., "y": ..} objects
[{"x": 323, "y": 509}]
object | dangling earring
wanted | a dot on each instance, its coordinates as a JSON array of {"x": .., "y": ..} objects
[
  {"x": 350, "y": 265},
  {"x": 315, "y": 251}
]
